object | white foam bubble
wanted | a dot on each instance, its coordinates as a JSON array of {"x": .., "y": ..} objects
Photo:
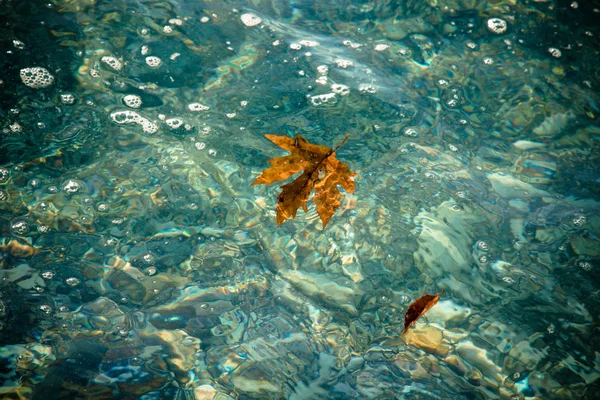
[
  {"x": 309, "y": 43},
  {"x": 197, "y": 107},
  {"x": 153, "y": 61},
  {"x": 340, "y": 89},
  {"x": 496, "y": 25},
  {"x": 67, "y": 98},
  {"x": 323, "y": 99},
  {"x": 36, "y": 77},
  {"x": 174, "y": 123},
  {"x": 250, "y": 19},
  {"x": 132, "y": 101},
  {"x": 112, "y": 62},
  {"x": 344, "y": 63},
  {"x": 381, "y": 47},
  {"x": 132, "y": 117}
]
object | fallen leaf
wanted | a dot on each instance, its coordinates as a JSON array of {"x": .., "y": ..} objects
[
  {"x": 418, "y": 308},
  {"x": 322, "y": 172}
]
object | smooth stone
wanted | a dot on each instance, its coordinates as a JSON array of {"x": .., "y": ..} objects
[
  {"x": 508, "y": 186},
  {"x": 204, "y": 392},
  {"x": 527, "y": 145},
  {"x": 447, "y": 311},
  {"x": 428, "y": 338},
  {"x": 478, "y": 358}
]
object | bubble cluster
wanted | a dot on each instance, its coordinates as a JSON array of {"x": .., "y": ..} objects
[
  {"x": 411, "y": 132},
  {"x": 20, "y": 227},
  {"x": 132, "y": 117},
  {"x": 328, "y": 99},
  {"x": 340, "y": 89},
  {"x": 250, "y": 19},
  {"x": 36, "y": 77},
  {"x": 197, "y": 107},
  {"x": 342, "y": 63},
  {"x": 174, "y": 123},
  {"x": 132, "y": 101},
  {"x": 309, "y": 43},
  {"x": 497, "y": 25},
  {"x": 367, "y": 88},
  {"x": 153, "y": 61},
  {"x": 112, "y": 62},
  {"x": 67, "y": 98},
  {"x": 555, "y": 52},
  {"x": 4, "y": 174}
]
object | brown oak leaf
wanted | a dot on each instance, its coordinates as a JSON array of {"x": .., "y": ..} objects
[
  {"x": 418, "y": 308},
  {"x": 323, "y": 172}
]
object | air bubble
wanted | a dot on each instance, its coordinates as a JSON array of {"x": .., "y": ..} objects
[
  {"x": 67, "y": 98},
  {"x": 585, "y": 265},
  {"x": 72, "y": 281},
  {"x": 71, "y": 186},
  {"x": 482, "y": 245},
  {"x": 48, "y": 275},
  {"x": 381, "y": 47},
  {"x": 46, "y": 309},
  {"x": 411, "y": 132},
  {"x": 20, "y": 227},
  {"x": 4, "y": 174},
  {"x": 554, "y": 52}
]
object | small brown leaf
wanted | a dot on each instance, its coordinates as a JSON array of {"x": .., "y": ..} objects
[
  {"x": 322, "y": 173},
  {"x": 418, "y": 308}
]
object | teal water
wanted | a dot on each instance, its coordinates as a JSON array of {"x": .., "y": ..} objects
[{"x": 137, "y": 261}]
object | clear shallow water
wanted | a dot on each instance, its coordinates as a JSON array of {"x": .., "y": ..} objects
[{"x": 138, "y": 262}]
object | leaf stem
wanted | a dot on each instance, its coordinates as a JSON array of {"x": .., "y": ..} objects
[{"x": 341, "y": 143}]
